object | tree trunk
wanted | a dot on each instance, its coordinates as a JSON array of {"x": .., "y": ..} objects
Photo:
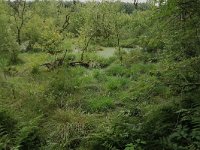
[
  {"x": 119, "y": 49},
  {"x": 19, "y": 36},
  {"x": 85, "y": 48}
]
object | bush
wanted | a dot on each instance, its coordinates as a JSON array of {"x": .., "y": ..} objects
[{"x": 42, "y": 35}]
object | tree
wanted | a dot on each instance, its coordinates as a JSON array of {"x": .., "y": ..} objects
[
  {"x": 7, "y": 41},
  {"x": 85, "y": 38},
  {"x": 87, "y": 31},
  {"x": 118, "y": 32},
  {"x": 118, "y": 22},
  {"x": 19, "y": 13}
]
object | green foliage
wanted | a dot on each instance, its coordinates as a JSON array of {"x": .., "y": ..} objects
[
  {"x": 33, "y": 31},
  {"x": 49, "y": 39}
]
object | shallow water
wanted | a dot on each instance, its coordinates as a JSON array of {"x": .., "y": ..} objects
[
  {"x": 109, "y": 51},
  {"x": 106, "y": 52}
]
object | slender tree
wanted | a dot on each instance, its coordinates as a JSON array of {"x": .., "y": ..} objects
[{"x": 19, "y": 11}]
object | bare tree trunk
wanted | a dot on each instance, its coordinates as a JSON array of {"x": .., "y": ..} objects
[
  {"x": 86, "y": 47},
  {"x": 119, "y": 49},
  {"x": 19, "y": 36},
  {"x": 82, "y": 54},
  {"x": 65, "y": 24}
]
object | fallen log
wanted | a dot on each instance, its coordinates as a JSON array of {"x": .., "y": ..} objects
[
  {"x": 50, "y": 66},
  {"x": 79, "y": 63},
  {"x": 58, "y": 62}
]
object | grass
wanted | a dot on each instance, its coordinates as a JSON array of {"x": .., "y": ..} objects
[
  {"x": 116, "y": 83},
  {"x": 100, "y": 104},
  {"x": 116, "y": 70},
  {"x": 30, "y": 61},
  {"x": 73, "y": 102}
]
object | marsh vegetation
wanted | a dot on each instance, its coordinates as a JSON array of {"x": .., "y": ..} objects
[{"x": 100, "y": 75}]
